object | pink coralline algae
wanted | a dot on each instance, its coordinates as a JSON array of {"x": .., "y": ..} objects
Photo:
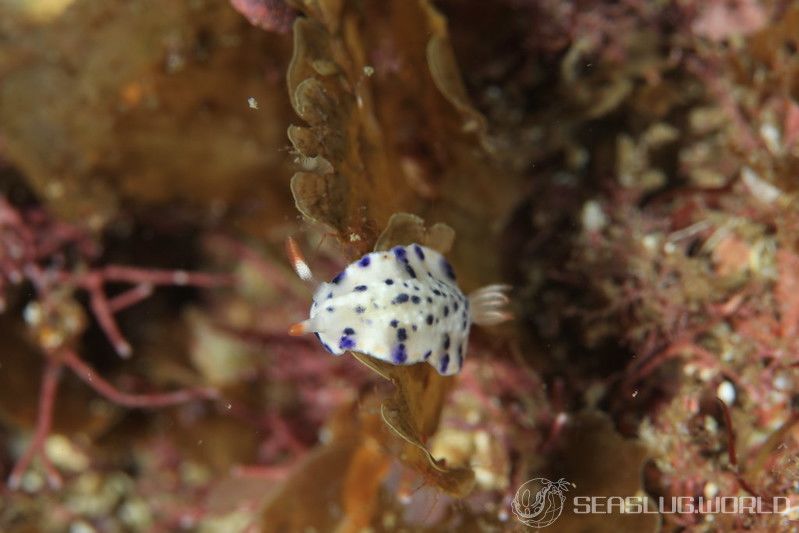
[{"x": 271, "y": 15}]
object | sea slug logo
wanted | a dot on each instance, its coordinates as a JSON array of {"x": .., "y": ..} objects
[{"x": 539, "y": 502}]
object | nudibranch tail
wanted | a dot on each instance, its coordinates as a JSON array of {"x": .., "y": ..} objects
[{"x": 489, "y": 305}]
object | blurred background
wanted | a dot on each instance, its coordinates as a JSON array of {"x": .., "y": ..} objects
[{"x": 629, "y": 167}]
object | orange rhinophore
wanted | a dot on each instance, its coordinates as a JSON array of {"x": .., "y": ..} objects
[{"x": 297, "y": 260}]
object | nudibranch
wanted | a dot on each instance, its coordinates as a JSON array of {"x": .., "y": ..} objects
[{"x": 402, "y": 306}]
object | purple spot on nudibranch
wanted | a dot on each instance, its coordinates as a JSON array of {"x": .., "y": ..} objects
[
  {"x": 349, "y": 331},
  {"x": 360, "y": 309},
  {"x": 360, "y": 288},
  {"x": 364, "y": 262},
  {"x": 329, "y": 309},
  {"x": 446, "y": 341},
  {"x": 415, "y": 299},
  {"x": 413, "y": 327},
  {"x": 411, "y": 272},
  {"x": 389, "y": 282},
  {"x": 346, "y": 343},
  {"x": 429, "y": 320},
  {"x": 339, "y": 277},
  {"x": 402, "y": 334},
  {"x": 393, "y": 323},
  {"x": 419, "y": 252},
  {"x": 444, "y": 363},
  {"x": 448, "y": 269},
  {"x": 398, "y": 353},
  {"x": 446, "y": 311},
  {"x": 427, "y": 355},
  {"x": 329, "y": 295},
  {"x": 400, "y": 253},
  {"x": 401, "y": 298}
]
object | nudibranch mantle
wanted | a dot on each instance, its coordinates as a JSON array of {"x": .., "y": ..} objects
[{"x": 402, "y": 306}]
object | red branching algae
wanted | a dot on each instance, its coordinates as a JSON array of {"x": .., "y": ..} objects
[{"x": 51, "y": 256}]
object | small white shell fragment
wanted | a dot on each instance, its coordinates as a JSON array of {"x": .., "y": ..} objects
[
  {"x": 782, "y": 382},
  {"x": 726, "y": 392},
  {"x": 402, "y": 306},
  {"x": 760, "y": 188},
  {"x": 593, "y": 217},
  {"x": 771, "y": 136},
  {"x": 252, "y": 102},
  {"x": 711, "y": 490}
]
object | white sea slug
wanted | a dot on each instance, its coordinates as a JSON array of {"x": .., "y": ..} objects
[{"x": 402, "y": 306}]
